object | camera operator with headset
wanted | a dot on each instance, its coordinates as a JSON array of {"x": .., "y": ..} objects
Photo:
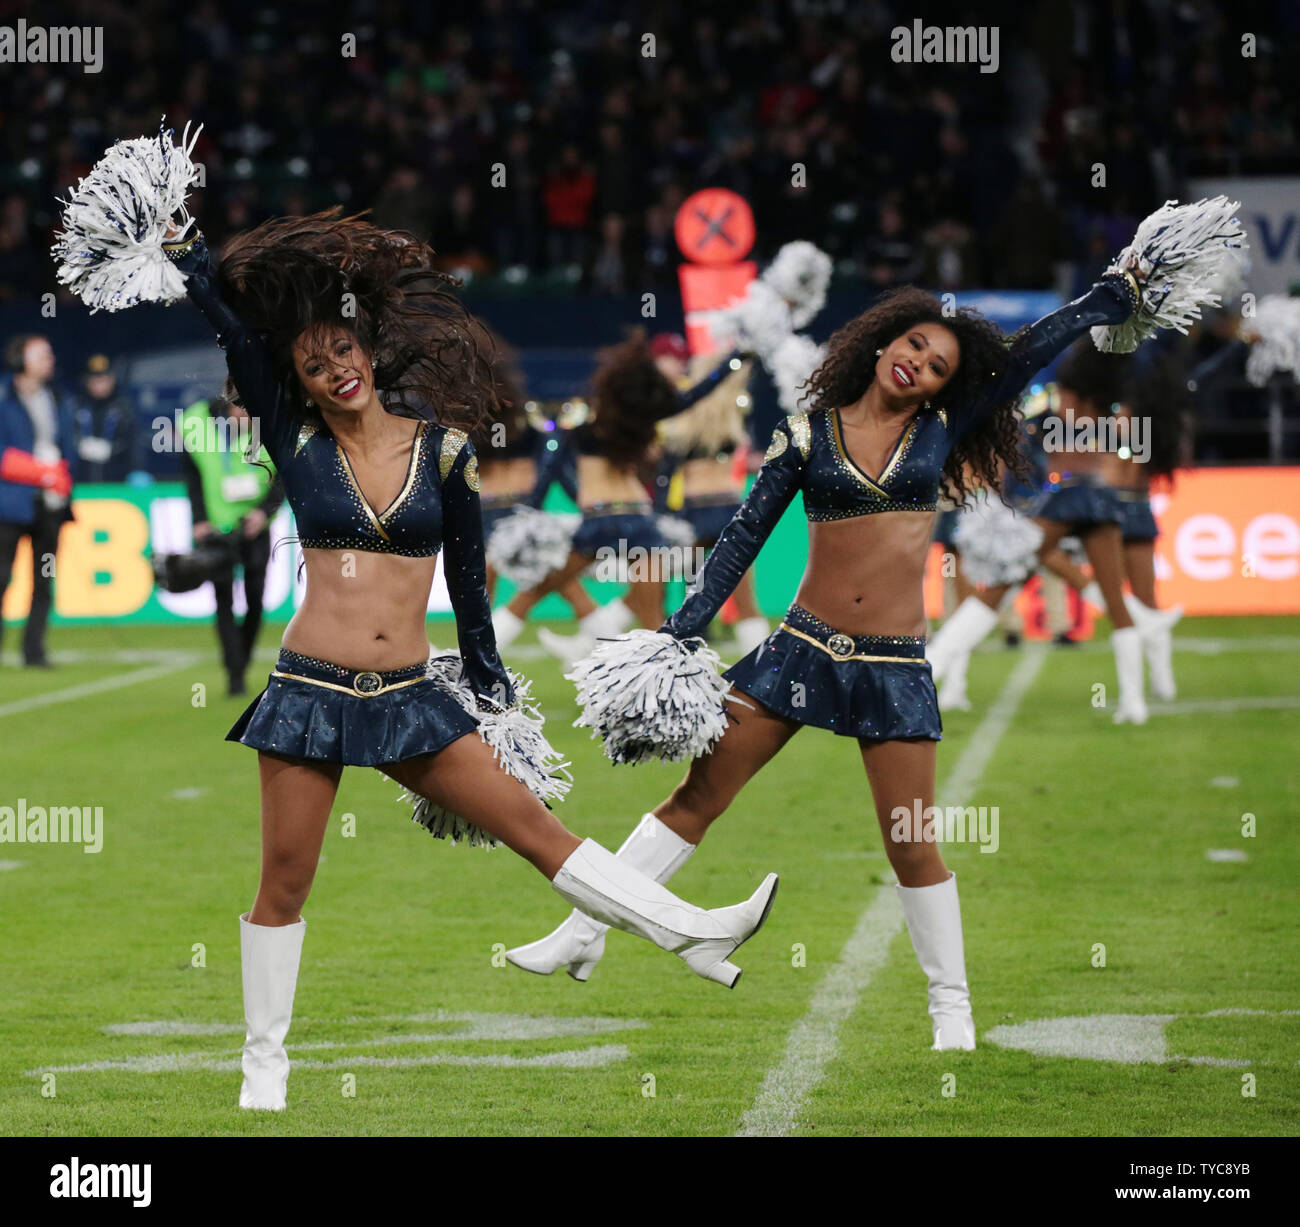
[{"x": 232, "y": 501}]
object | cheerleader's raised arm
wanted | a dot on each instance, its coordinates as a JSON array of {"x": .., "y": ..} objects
[
  {"x": 740, "y": 542},
  {"x": 251, "y": 368}
]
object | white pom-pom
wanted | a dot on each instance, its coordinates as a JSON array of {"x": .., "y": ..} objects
[
  {"x": 527, "y": 545},
  {"x": 800, "y": 274},
  {"x": 997, "y": 545},
  {"x": 517, "y": 742},
  {"x": 1184, "y": 252},
  {"x": 110, "y": 249},
  {"x": 676, "y": 531},
  {"x": 790, "y": 365},
  {"x": 647, "y": 695},
  {"x": 1277, "y": 325},
  {"x": 759, "y": 321}
]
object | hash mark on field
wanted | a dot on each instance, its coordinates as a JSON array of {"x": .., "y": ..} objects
[
  {"x": 814, "y": 1040},
  {"x": 86, "y": 689},
  {"x": 1191, "y": 707}
]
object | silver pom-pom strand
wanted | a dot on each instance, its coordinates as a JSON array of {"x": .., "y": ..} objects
[
  {"x": 517, "y": 742},
  {"x": 110, "y": 252},
  {"x": 997, "y": 544},
  {"x": 791, "y": 364},
  {"x": 1183, "y": 253},
  {"x": 646, "y": 695},
  {"x": 1276, "y": 325},
  {"x": 527, "y": 545}
]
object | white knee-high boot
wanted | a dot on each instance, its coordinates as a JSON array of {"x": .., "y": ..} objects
[
  {"x": 506, "y": 626},
  {"x": 579, "y": 942},
  {"x": 952, "y": 694},
  {"x": 971, "y": 623},
  {"x": 1127, "y": 646},
  {"x": 1159, "y": 649},
  {"x": 933, "y": 915},
  {"x": 595, "y": 881},
  {"x": 269, "y": 959}
]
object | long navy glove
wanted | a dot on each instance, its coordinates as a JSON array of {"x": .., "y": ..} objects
[
  {"x": 247, "y": 357},
  {"x": 1110, "y": 301},
  {"x": 698, "y": 391},
  {"x": 466, "y": 573},
  {"x": 738, "y": 546}
]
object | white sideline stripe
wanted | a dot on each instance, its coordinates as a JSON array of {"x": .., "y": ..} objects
[
  {"x": 814, "y": 1040},
  {"x": 86, "y": 689}
]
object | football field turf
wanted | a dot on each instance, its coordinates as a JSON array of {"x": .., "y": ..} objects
[{"x": 1131, "y": 944}]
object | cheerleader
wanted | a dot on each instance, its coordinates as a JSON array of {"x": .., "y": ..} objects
[
  {"x": 698, "y": 482},
  {"x": 515, "y": 461},
  {"x": 910, "y": 396},
  {"x": 1081, "y": 503},
  {"x": 1157, "y": 397},
  {"x": 630, "y": 395},
  {"x": 363, "y": 374}
]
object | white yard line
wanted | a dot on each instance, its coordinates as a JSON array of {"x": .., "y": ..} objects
[
  {"x": 814, "y": 1040},
  {"x": 86, "y": 689}
]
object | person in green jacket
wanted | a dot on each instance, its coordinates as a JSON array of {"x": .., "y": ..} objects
[{"x": 237, "y": 498}]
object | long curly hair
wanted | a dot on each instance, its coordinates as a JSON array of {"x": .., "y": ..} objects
[
  {"x": 1150, "y": 385},
  {"x": 850, "y": 368},
  {"x": 510, "y": 420},
  {"x": 292, "y": 276},
  {"x": 629, "y": 395}
]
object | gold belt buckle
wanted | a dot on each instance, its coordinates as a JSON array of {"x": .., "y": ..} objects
[
  {"x": 840, "y": 644},
  {"x": 367, "y": 683}
]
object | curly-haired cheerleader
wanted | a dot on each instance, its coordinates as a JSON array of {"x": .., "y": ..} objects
[
  {"x": 911, "y": 396},
  {"x": 364, "y": 374},
  {"x": 630, "y": 395}
]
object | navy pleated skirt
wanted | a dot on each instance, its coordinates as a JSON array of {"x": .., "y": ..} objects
[
  {"x": 876, "y": 687},
  {"x": 313, "y": 709},
  {"x": 708, "y": 515}
]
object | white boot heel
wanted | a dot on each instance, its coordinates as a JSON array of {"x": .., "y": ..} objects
[
  {"x": 742, "y": 920},
  {"x": 579, "y": 942},
  {"x": 596, "y": 882}
]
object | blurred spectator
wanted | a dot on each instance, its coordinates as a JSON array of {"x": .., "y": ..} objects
[
  {"x": 568, "y": 194},
  {"x": 38, "y": 449},
  {"x": 110, "y": 443}
]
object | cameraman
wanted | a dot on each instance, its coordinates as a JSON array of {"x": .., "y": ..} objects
[{"x": 236, "y": 498}]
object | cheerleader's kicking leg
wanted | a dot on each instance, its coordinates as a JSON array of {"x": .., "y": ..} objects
[
  {"x": 466, "y": 779},
  {"x": 901, "y": 774},
  {"x": 664, "y": 839},
  {"x": 1157, "y": 640}
]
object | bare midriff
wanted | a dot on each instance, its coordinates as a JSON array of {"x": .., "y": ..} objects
[
  {"x": 599, "y": 481},
  {"x": 709, "y": 476},
  {"x": 514, "y": 475},
  {"x": 865, "y": 575},
  {"x": 363, "y": 611}
]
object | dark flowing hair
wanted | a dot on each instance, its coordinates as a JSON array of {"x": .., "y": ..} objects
[
  {"x": 850, "y": 368},
  {"x": 508, "y": 385},
  {"x": 1151, "y": 384},
  {"x": 629, "y": 395},
  {"x": 303, "y": 275}
]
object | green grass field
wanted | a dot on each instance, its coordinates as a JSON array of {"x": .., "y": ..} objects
[{"x": 406, "y": 1022}]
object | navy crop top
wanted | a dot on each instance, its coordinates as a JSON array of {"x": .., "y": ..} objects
[
  {"x": 807, "y": 453},
  {"x": 437, "y": 505}
]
